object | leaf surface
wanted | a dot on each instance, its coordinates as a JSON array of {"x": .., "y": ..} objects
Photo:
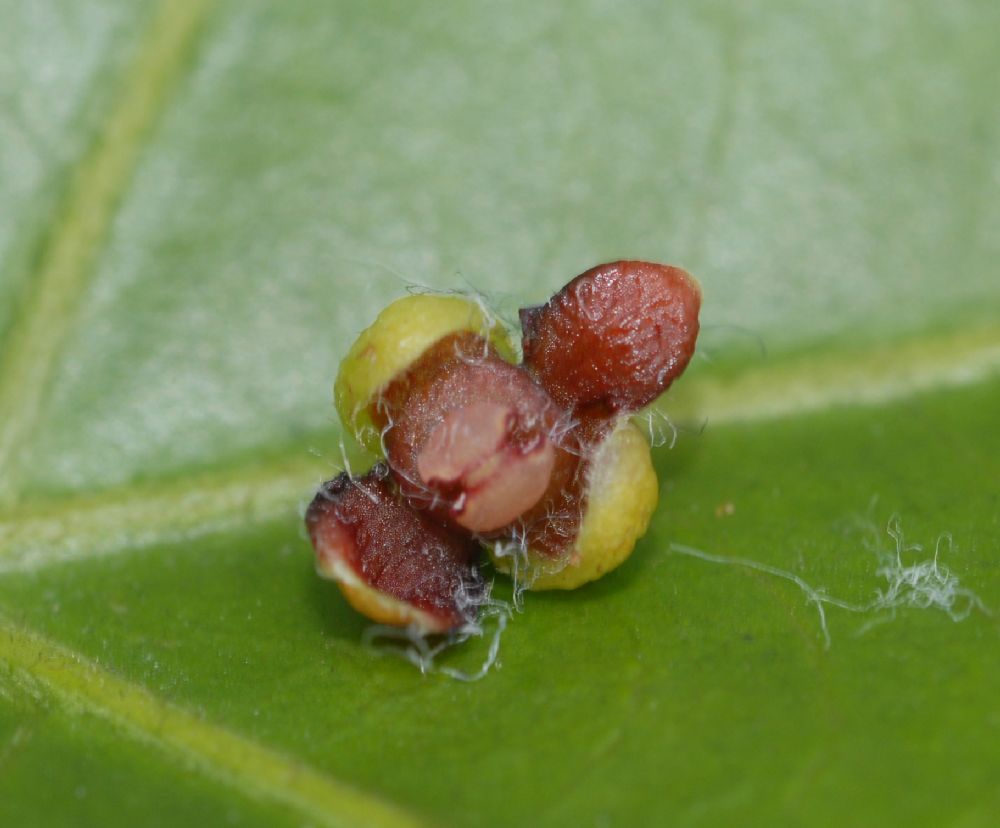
[{"x": 205, "y": 203}]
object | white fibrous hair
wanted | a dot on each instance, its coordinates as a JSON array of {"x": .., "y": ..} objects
[
  {"x": 484, "y": 612},
  {"x": 923, "y": 584}
]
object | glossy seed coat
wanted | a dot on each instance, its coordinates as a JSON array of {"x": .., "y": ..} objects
[{"x": 615, "y": 337}]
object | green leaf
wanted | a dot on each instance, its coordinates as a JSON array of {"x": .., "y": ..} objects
[{"x": 204, "y": 203}]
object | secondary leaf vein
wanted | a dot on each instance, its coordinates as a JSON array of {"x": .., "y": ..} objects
[
  {"x": 140, "y": 516},
  {"x": 50, "y": 531},
  {"x": 252, "y": 769}
]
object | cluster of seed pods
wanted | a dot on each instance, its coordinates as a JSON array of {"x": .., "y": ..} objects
[{"x": 536, "y": 462}]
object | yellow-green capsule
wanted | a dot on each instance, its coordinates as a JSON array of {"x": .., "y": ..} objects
[
  {"x": 621, "y": 495},
  {"x": 393, "y": 342}
]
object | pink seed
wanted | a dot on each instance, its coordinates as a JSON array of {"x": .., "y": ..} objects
[
  {"x": 473, "y": 451},
  {"x": 467, "y": 435}
]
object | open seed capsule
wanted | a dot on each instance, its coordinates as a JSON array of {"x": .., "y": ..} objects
[
  {"x": 539, "y": 461},
  {"x": 394, "y": 564},
  {"x": 465, "y": 432},
  {"x": 400, "y": 334},
  {"x": 616, "y": 497}
]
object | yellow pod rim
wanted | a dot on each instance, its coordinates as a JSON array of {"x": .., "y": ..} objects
[
  {"x": 393, "y": 342},
  {"x": 622, "y": 494}
]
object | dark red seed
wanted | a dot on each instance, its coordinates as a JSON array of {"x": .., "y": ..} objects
[
  {"x": 468, "y": 435},
  {"x": 364, "y": 523},
  {"x": 615, "y": 337}
]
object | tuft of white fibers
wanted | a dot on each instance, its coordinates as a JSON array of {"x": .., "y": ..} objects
[
  {"x": 926, "y": 584},
  {"x": 661, "y": 430},
  {"x": 423, "y": 650},
  {"x": 922, "y": 584},
  {"x": 515, "y": 552}
]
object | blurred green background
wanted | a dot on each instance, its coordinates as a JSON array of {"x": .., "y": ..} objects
[{"x": 202, "y": 205}]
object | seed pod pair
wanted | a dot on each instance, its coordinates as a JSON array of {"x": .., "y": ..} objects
[{"x": 480, "y": 448}]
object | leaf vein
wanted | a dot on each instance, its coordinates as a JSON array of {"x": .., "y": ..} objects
[
  {"x": 66, "y": 260},
  {"x": 254, "y": 770}
]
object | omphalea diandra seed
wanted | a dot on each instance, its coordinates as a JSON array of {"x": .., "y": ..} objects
[
  {"x": 540, "y": 457},
  {"x": 615, "y": 338}
]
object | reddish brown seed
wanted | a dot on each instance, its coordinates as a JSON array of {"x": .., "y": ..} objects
[
  {"x": 394, "y": 549},
  {"x": 615, "y": 337},
  {"x": 468, "y": 435}
]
